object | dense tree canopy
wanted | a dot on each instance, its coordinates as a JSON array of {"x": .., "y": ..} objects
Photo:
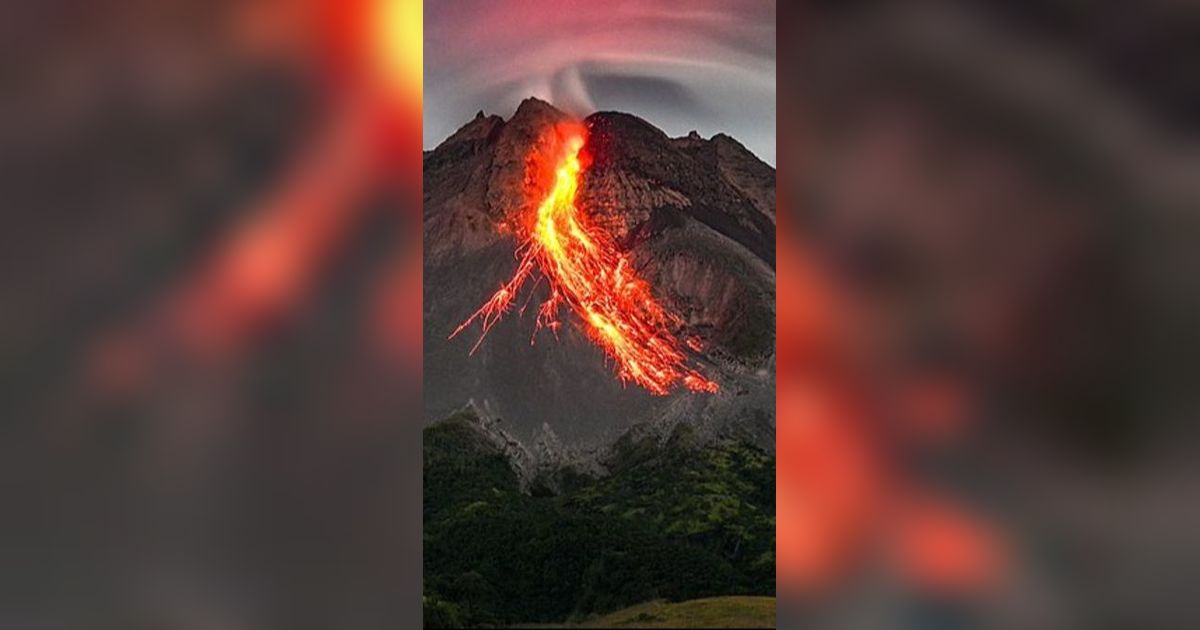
[{"x": 670, "y": 521}]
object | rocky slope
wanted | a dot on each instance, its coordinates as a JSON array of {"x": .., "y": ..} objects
[{"x": 698, "y": 219}]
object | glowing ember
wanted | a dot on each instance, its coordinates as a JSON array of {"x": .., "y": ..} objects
[{"x": 588, "y": 273}]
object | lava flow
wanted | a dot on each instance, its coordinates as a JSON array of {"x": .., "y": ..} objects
[{"x": 588, "y": 274}]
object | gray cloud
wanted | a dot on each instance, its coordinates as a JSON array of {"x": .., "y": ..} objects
[{"x": 707, "y": 65}]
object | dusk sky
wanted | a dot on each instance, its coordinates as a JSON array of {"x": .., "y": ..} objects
[{"x": 704, "y": 65}]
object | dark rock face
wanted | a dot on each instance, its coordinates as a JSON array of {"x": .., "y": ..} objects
[
  {"x": 711, "y": 177},
  {"x": 696, "y": 216}
]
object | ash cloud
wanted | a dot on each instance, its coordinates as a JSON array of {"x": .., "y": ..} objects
[{"x": 707, "y": 66}]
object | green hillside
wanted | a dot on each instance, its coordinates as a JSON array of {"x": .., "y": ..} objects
[
  {"x": 716, "y": 612},
  {"x": 672, "y": 523}
]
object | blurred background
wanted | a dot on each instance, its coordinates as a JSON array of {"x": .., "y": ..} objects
[
  {"x": 210, "y": 314},
  {"x": 986, "y": 293}
]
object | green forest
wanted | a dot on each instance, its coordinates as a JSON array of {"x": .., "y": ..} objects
[{"x": 671, "y": 521}]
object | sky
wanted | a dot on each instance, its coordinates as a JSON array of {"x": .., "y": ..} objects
[{"x": 703, "y": 65}]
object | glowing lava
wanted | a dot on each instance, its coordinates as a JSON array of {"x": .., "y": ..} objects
[{"x": 588, "y": 274}]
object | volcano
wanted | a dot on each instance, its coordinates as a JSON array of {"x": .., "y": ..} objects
[{"x": 688, "y": 222}]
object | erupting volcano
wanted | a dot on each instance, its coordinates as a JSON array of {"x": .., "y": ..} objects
[{"x": 587, "y": 272}]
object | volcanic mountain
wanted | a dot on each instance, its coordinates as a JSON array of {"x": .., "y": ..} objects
[{"x": 694, "y": 217}]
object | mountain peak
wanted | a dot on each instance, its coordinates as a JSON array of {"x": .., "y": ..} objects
[{"x": 536, "y": 107}]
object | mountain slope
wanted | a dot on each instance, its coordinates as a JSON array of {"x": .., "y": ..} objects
[{"x": 695, "y": 216}]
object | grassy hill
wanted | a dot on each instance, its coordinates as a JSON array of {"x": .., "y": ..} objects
[{"x": 716, "y": 612}]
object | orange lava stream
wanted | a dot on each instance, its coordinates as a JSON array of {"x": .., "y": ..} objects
[{"x": 588, "y": 273}]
